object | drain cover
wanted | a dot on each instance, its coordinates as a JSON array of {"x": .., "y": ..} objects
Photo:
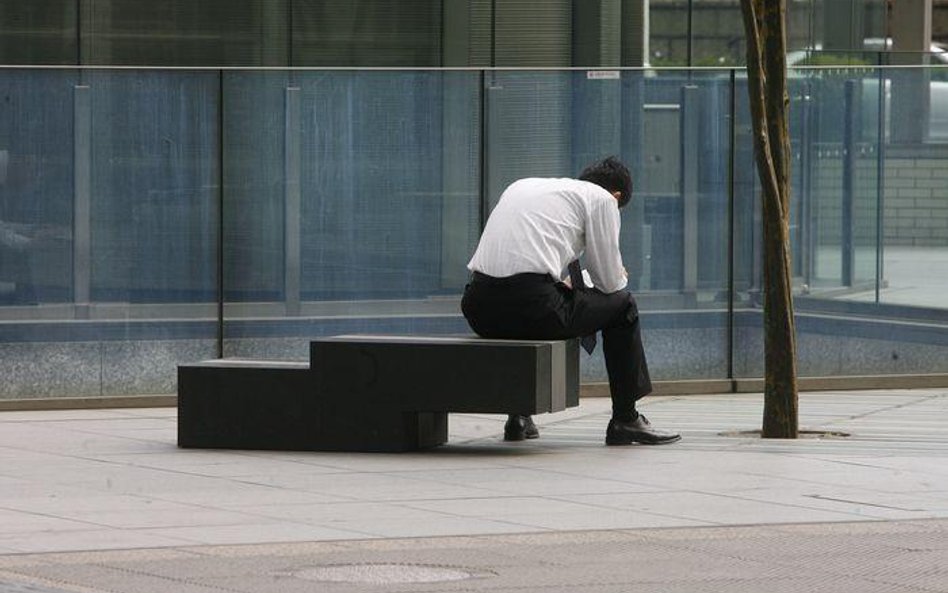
[
  {"x": 383, "y": 574},
  {"x": 8, "y": 587}
]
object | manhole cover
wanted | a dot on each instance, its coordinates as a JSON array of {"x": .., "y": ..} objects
[{"x": 383, "y": 574}]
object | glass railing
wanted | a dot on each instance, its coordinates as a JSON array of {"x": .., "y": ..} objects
[{"x": 152, "y": 217}]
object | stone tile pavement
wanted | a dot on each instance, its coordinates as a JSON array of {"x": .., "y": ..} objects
[{"x": 102, "y": 500}]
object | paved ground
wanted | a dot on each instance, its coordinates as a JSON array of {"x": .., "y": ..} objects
[{"x": 104, "y": 501}]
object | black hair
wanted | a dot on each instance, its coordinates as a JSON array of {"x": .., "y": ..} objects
[{"x": 611, "y": 175}]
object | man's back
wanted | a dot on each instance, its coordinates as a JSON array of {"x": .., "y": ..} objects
[{"x": 541, "y": 224}]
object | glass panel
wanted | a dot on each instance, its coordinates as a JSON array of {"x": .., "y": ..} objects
[
  {"x": 915, "y": 262},
  {"x": 529, "y": 127},
  {"x": 363, "y": 209},
  {"x": 108, "y": 203},
  {"x": 372, "y": 217},
  {"x": 684, "y": 224},
  {"x": 834, "y": 131},
  {"x": 255, "y": 130},
  {"x": 852, "y": 316},
  {"x": 154, "y": 186},
  {"x": 842, "y": 327},
  {"x": 36, "y": 188},
  {"x": 684, "y": 180}
]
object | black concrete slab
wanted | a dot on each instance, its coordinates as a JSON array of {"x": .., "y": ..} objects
[
  {"x": 245, "y": 405},
  {"x": 272, "y": 405},
  {"x": 448, "y": 374},
  {"x": 370, "y": 393}
]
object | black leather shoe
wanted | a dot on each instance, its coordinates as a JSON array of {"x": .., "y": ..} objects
[
  {"x": 519, "y": 428},
  {"x": 637, "y": 431}
]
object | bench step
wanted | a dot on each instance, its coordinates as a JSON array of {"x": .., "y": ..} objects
[
  {"x": 449, "y": 374},
  {"x": 271, "y": 405}
]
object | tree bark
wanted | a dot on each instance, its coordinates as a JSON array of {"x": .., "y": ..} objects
[{"x": 765, "y": 28}]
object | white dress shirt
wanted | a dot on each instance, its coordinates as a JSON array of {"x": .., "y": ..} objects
[{"x": 541, "y": 225}]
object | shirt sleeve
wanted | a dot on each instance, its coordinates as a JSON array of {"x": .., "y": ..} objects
[{"x": 603, "y": 259}]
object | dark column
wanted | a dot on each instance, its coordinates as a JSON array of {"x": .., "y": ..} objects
[
  {"x": 596, "y": 32},
  {"x": 843, "y": 24}
]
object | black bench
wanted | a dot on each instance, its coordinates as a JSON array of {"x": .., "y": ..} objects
[{"x": 370, "y": 393}]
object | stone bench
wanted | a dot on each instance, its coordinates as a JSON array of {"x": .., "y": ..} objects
[{"x": 370, "y": 393}]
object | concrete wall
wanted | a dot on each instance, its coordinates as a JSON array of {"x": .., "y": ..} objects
[
  {"x": 915, "y": 211},
  {"x": 916, "y": 196},
  {"x": 827, "y": 197}
]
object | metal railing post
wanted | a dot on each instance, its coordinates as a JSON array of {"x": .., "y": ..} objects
[
  {"x": 849, "y": 173},
  {"x": 220, "y": 214},
  {"x": 82, "y": 200},
  {"x": 731, "y": 162},
  {"x": 292, "y": 205},
  {"x": 689, "y": 186}
]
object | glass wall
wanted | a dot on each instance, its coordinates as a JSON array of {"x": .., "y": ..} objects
[
  {"x": 152, "y": 216},
  {"x": 170, "y": 216},
  {"x": 868, "y": 227}
]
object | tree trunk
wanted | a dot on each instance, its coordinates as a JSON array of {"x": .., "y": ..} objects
[{"x": 765, "y": 28}]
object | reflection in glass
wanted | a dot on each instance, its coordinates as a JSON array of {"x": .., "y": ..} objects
[
  {"x": 353, "y": 198},
  {"x": 36, "y": 186},
  {"x": 153, "y": 186}
]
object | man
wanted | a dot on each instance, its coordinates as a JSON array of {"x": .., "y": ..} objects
[{"x": 537, "y": 229}]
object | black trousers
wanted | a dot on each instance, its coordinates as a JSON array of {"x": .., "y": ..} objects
[{"x": 535, "y": 307}]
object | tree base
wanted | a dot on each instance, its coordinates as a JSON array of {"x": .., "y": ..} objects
[{"x": 803, "y": 434}]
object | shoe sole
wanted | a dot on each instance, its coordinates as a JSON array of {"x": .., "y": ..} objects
[
  {"x": 614, "y": 442},
  {"x": 520, "y": 436}
]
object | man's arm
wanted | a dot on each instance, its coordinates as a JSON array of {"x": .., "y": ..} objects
[{"x": 603, "y": 260}]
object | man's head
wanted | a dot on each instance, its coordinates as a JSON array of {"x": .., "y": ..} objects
[{"x": 611, "y": 175}]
